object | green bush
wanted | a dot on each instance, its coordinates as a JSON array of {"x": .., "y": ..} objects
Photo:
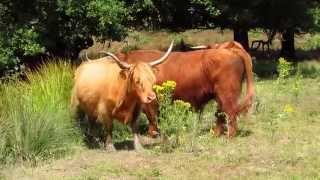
[
  {"x": 176, "y": 118},
  {"x": 284, "y": 68},
  {"x": 313, "y": 42},
  {"x": 23, "y": 41},
  {"x": 60, "y": 27},
  {"x": 310, "y": 69},
  {"x": 35, "y": 117}
]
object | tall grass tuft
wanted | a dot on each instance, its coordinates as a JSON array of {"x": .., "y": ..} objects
[{"x": 35, "y": 118}]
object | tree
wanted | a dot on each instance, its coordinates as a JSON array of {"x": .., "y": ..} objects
[
  {"x": 287, "y": 17},
  {"x": 18, "y": 36},
  {"x": 56, "y": 27},
  {"x": 233, "y": 14},
  {"x": 284, "y": 16},
  {"x": 175, "y": 15},
  {"x": 238, "y": 16}
]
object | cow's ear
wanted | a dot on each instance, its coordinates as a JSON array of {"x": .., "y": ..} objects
[
  {"x": 124, "y": 73},
  {"x": 155, "y": 69}
]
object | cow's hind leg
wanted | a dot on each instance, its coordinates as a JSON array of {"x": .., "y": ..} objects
[
  {"x": 228, "y": 103},
  {"x": 220, "y": 123},
  {"x": 229, "y": 107},
  {"x": 108, "y": 125},
  {"x": 76, "y": 112}
]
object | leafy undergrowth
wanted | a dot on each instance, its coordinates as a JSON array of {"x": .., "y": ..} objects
[{"x": 278, "y": 139}]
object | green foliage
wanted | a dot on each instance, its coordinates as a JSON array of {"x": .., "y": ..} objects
[
  {"x": 23, "y": 41},
  {"x": 290, "y": 79},
  {"x": 102, "y": 18},
  {"x": 315, "y": 13},
  {"x": 34, "y": 116},
  {"x": 178, "y": 14},
  {"x": 7, "y": 58},
  {"x": 309, "y": 69},
  {"x": 143, "y": 13},
  {"x": 176, "y": 118},
  {"x": 63, "y": 27},
  {"x": 297, "y": 85},
  {"x": 271, "y": 15},
  {"x": 209, "y": 6},
  {"x": 313, "y": 42},
  {"x": 284, "y": 68}
]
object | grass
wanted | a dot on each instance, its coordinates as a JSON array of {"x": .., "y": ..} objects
[
  {"x": 34, "y": 116},
  {"x": 278, "y": 140}
]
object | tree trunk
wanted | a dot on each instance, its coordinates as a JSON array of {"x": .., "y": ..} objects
[
  {"x": 287, "y": 44},
  {"x": 241, "y": 36}
]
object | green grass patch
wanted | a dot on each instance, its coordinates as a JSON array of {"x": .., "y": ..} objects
[{"x": 34, "y": 115}]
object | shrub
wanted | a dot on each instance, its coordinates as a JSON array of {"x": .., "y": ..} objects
[
  {"x": 313, "y": 42},
  {"x": 57, "y": 27},
  {"x": 34, "y": 115},
  {"x": 176, "y": 118},
  {"x": 284, "y": 68},
  {"x": 22, "y": 41}
]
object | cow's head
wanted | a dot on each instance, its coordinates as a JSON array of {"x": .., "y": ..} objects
[{"x": 140, "y": 76}]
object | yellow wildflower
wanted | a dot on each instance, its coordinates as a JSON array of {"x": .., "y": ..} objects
[
  {"x": 170, "y": 85},
  {"x": 288, "y": 108},
  {"x": 158, "y": 89}
]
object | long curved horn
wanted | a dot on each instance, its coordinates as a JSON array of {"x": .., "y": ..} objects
[
  {"x": 88, "y": 59},
  {"x": 123, "y": 65},
  {"x": 199, "y": 47},
  {"x": 163, "y": 58}
]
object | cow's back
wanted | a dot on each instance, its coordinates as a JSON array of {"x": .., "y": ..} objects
[
  {"x": 194, "y": 71},
  {"x": 98, "y": 86}
]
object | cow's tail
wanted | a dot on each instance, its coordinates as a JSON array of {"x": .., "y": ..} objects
[
  {"x": 250, "y": 91},
  {"x": 74, "y": 102}
]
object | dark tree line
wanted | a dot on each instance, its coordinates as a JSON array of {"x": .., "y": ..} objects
[{"x": 63, "y": 27}]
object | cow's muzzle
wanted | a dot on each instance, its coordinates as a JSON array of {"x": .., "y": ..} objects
[{"x": 152, "y": 96}]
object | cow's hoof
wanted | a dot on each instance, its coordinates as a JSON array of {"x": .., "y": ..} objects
[
  {"x": 231, "y": 135},
  {"x": 232, "y": 132},
  {"x": 218, "y": 132},
  {"x": 110, "y": 148},
  {"x": 154, "y": 134}
]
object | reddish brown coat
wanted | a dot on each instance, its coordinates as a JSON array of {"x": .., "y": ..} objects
[{"x": 203, "y": 75}]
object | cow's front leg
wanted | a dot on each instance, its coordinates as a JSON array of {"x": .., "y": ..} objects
[
  {"x": 151, "y": 111},
  {"x": 135, "y": 130},
  {"x": 136, "y": 141},
  {"x": 108, "y": 143}
]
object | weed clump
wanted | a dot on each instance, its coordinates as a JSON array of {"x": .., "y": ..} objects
[
  {"x": 176, "y": 118},
  {"x": 284, "y": 68}
]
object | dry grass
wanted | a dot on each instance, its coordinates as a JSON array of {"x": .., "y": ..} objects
[{"x": 160, "y": 40}]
